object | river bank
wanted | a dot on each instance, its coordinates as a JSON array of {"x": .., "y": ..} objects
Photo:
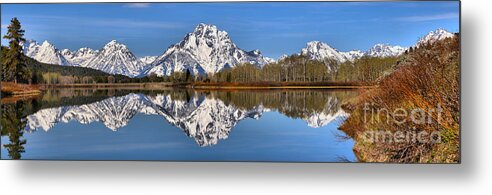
[
  {"x": 214, "y": 85},
  {"x": 15, "y": 89}
]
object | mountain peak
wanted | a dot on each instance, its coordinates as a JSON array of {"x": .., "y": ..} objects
[
  {"x": 85, "y": 50},
  {"x": 47, "y": 44},
  {"x": 352, "y": 55},
  {"x": 318, "y": 50},
  {"x": 114, "y": 58},
  {"x": 255, "y": 52},
  {"x": 114, "y": 43},
  {"x": 435, "y": 35},
  {"x": 205, "y": 50},
  {"x": 385, "y": 50},
  {"x": 66, "y": 52},
  {"x": 316, "y": 43},
  {"x": 203, "y": 27},
  {"x": 46, "y": 52}
]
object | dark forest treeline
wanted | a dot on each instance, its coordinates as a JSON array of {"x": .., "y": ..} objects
[{"x": 41, "y": 73}]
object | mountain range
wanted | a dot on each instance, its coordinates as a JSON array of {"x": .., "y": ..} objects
[{"x": 205, "y": 50}]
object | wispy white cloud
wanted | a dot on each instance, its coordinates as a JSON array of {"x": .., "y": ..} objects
[
  {"x": 428, "y": 17},
  {"x": 137, "y": 5},
  {"x": 4, "y": 25}
]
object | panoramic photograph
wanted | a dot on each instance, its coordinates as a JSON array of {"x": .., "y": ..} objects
[{"x": 305, "y": 82}]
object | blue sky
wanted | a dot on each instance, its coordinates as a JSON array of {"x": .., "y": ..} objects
[{"x": 274, "y": 28}]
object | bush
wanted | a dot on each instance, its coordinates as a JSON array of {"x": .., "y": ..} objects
[{"x": 427, "y": 79}]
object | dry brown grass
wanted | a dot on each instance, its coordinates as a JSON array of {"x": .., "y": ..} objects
[
  {"x": 13, "y": 89},
  {"x": 426, "y": 79},
  {"x": 277, "y": 84}
]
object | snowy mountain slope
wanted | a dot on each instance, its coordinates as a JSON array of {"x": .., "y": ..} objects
[
  {"x": 147, "y": 59},
  {"x": 317, "y": 50},
  {"x": 385, "y": 50},
  {"x": 115, "y": 58},
  {"x": 434, "y": 36},
  {"x": 283, "y": 56},
  {"x": 205, "y": 50},
  {"x": 79, "y": 57},
  {"x": 46, "y": 52},
  {"x": 352, "y": 55}
]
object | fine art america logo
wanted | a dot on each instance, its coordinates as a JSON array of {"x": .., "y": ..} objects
[{"x": 403, "y": 118}]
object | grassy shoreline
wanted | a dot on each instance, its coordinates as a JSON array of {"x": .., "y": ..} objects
[
  {"x": 12, "y": 92},
  {"x": 9, "y": 89},
  {"x": 203, "y": 85}
]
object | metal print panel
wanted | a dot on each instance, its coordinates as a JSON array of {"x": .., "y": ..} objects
[{"x": 232, "y": 81}]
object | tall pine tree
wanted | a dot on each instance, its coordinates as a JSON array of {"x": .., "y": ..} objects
[{"x": 13, "y": 67}]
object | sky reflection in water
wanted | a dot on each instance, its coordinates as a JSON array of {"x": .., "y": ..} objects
[{"x": 194, "y": 128}]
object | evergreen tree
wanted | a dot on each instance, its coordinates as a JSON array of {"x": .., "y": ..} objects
[
  {"x": 188, "y": 75},
  {"x": 13, "y": 68}
]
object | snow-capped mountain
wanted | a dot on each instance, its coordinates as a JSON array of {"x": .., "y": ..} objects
[
  {"x": 79, "y": 57},
  {"x": 205, "y": 50},
  {"x": 385, "y": 50},
  {"x": 283, "y": 56},
  {"x": 269, "y": 60},
  {"x": 205, "y": 119},
  {"x": 434, "y": 36},
  {"x": 46, "y": 52},
  {"x": 317, "y": 50},
  {"x": 115, "y": 58},
  {"x": 147, "y": 59},
  {"x": 352, "y": 55}
]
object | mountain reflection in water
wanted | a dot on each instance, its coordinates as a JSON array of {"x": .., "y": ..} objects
[{"x": 205, "y": 116}]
